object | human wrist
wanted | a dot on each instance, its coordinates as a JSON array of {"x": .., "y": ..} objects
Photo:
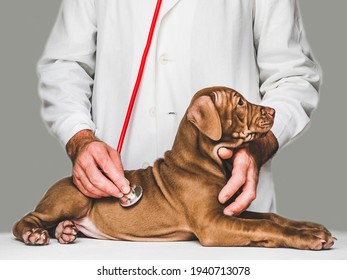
[
  {"x": 78, "y": 141},
  {"x": 264, "y": 148}
]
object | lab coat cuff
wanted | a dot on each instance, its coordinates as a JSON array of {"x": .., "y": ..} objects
[
  {"x": 281, "y": 132},
  {"x": 65, "y": 135}
]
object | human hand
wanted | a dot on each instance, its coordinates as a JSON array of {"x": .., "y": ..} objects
[
  {"x": 97, "y": 168},
  {"x": 244, "y": 177},
  {"x": 246, "y": 164}
]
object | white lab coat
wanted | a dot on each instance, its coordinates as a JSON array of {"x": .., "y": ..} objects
[{"x": 91, "y": 61}]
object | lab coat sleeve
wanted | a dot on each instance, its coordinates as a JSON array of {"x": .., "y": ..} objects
[
  {"x": 289, "y": 77},
  {"x": 66, "y": 70}
]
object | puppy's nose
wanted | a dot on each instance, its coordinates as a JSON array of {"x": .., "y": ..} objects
[{"x": 268, "y": 111}]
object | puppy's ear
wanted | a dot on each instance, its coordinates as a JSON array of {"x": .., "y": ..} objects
[{"x": 203, "y": 114}]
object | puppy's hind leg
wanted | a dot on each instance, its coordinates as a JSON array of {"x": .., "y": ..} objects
[
  {"x": 66, "y": 232},
  {"x": 63, "y": 201}
]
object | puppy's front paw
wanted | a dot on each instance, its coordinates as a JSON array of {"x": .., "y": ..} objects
[
  {"x": 36, "y": 236},
  {"x": 317, "y": 239},
  {"x": 66, "y": 232}
]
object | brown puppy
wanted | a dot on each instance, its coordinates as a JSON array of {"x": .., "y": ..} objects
[{"x": 180, "y": 190}]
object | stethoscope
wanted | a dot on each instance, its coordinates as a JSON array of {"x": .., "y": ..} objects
[{"x": 136, "y": 191}]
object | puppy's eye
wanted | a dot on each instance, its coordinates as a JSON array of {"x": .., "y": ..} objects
[{"x": 240, "y": 102}]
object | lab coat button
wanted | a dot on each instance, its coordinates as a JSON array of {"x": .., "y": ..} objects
[
  {"x": 152, "y": 112},
  {"x": 164, "y": 59}
]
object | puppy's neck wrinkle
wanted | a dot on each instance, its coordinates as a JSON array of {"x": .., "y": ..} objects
[{"x": 194, "y": 153}]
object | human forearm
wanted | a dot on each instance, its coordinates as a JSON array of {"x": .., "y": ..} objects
[
  {"x": 289, "y": 76},
  {"x": 78, "y": 141},
  {"x": 264, "y": 148},
  {"x": 66, "y": 71}
]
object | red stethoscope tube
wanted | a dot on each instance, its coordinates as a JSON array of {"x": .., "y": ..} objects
[{"x": 139, "y": 77}]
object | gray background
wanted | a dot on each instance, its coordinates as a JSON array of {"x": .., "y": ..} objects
[{"x": 309, "y": 173}]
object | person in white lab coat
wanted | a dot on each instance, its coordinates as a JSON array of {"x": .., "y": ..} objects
[{"x": 90, "y": 63}]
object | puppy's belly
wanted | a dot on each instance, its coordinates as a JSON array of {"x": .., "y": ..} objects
[{"x": 86, "y": 226}]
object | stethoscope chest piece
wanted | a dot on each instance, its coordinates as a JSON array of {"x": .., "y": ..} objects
[{"x": 133, "y": 197}]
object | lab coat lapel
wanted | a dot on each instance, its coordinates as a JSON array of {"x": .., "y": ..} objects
[{"x": 166, "y": 7}]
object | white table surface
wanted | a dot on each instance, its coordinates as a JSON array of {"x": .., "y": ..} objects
[{"x": 92, "y": 249}]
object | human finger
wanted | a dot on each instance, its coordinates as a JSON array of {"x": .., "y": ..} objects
[
  {"x": 97, "y": 165},
  {"x": 115, "y": 172},
  {"x": 101, "y": 182},
  {"x": 248, "y": 194},
  {"x": 236, "y": 181},
  {"x": 242, "y": 201},
  {"x": 83, "y": 184},
  {"x": 225, "y": 153}
]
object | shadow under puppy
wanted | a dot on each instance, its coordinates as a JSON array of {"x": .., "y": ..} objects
[{"x": 180, "y": 190}]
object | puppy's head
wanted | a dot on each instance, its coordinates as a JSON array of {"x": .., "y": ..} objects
[{"x": 224, "y": 115}]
